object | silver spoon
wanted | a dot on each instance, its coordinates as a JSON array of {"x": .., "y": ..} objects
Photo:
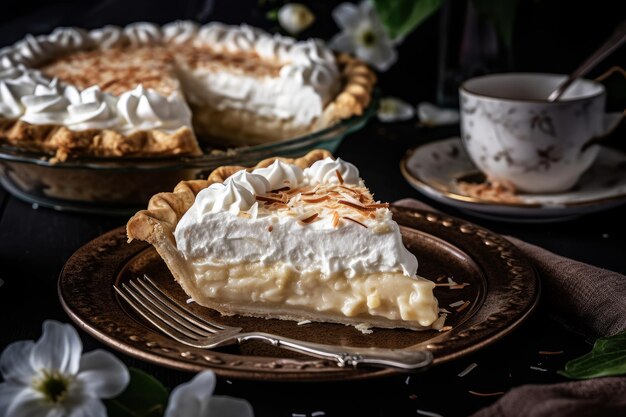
[{"x": 615, "y": 41}]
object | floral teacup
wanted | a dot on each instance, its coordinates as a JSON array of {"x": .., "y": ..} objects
[{"x": 517, "y": 137}]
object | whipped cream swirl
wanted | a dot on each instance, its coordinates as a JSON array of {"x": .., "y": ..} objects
[
  {"x": 15, "y": 83},
  {"x": 280, "y": 174},
  {"x": 143, "y": 33},
  {"x": 144, "y": 109},
  {"x": 230, "y": 197},
  {"x": 48, "y": 104},
  {"x": 69, "y": 39},
  {"x": 108, "y": 37},
  {"x": 180, "y": 31},
  {"x": 32, "y": 50},
  {"x": 255, "y": 183},
  {"x": 325, "y": 172},
  {"x": 92, "y": 109}
]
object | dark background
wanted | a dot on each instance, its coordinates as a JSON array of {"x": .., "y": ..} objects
[{"x": 549, "y": 36}]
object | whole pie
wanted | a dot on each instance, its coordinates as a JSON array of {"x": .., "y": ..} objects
[
  {"x": 295, "y": 239},
  {"x": 147, "y": 90}
]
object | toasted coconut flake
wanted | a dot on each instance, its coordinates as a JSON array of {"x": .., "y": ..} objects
[
  {"x": 352, "y": 190},
  {"x": 293, "y": 190},
  {"x": 445, "y": 329},
  {"x": 353, "y": 220},
  {"x": 457, "y": 303},
  {"x": 457, "y": 287},
  {"x": 281, "y": 189},
  {"x": 277, "y": 205},
  {"x": 356, "y": 206},
  {"x": 536, "y": 368},
  {"x": 486, "y": 394},
  {"x": 440, "y": 277},
  {"x": 269, "y": 199},
  {"x": 310, "y": 218},
  {"x": 463, "y": 307},
  {"x": 335, "y": 219},
  {"x": 350, "y": 198},
  {"x": 339, "y": 177},
  {"x": 317, "y": 200},
  {"x": 378, "y": 205},
  {"x": 453, "y": 285}
]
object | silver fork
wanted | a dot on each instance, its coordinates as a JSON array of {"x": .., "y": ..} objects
[{"x": 176, "y": 321}]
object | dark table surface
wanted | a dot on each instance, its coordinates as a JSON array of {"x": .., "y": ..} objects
[{"x": 35, "y": 243}]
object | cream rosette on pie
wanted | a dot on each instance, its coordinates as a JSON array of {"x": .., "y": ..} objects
[
  {"x": 146, "y": 90},
  {"x": 299, "y": 239}
]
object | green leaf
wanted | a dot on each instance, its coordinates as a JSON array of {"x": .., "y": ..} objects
[
  {"x": 272, "y": 15},
  {"x": 401, "y": 17},
  {"x": 144, "y": 397},
  {"x": 608, "y": 357},
  {"x": 501, "y": 14}
]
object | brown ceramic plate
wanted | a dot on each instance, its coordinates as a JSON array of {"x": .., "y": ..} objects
[{"x": 503, "y": 291}]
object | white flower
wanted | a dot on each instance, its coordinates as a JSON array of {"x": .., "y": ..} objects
[
  {"x": 295, "y": 17},
  {"x": 393, "y": 109},
  {"x": 431, "y": 115},
  {"x": 50, "y": 378},
  {"x": 195, "y": 399},
  {"x": 363, "y": 35}
]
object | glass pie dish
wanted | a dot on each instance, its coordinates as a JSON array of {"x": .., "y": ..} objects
[{"x": 121, "y": 186}]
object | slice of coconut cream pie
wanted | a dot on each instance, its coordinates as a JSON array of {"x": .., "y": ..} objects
[{"x": 295, "y": 239}]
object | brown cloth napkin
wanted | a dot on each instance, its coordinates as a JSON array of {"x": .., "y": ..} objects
[{"x": 586, "y": 299}]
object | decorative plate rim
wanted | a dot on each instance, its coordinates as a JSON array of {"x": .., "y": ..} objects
[
  {"x": 503, "y": 265},
  {"x": 420, "y": 183}
]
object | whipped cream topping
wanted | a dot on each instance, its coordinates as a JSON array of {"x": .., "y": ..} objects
[
  {"x": 108, "y": 37},
  {"x": 230, "y": 197},
  {"x": 26, "y": 94},
  {"x": 144, "y": 109},
  {"x": 235, "y": 222},
  {"x": 280, "y": 174},
  {"x": 307, "y": 81},
  {"x": 253, "y": 182},
  {"x": 143, "y": 33},
  {"x": 325, "y": 172},
  {"x": 180, "y": 31},
  {"x": 48, "y": 104},
  {"x": 15, "y": 83},
  {"x": 92, "y": 109}
]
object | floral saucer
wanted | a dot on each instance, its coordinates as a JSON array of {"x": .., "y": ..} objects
[{"x": 442, "y": 170}]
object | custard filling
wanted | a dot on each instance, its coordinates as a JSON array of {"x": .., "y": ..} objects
[{"x": 384, "y": 295}]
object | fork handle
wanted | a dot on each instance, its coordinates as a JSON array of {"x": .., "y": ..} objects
[{"x": 400, "y": 359}]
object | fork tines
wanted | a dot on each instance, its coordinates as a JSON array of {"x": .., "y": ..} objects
[{"x": 168, "y": 315}]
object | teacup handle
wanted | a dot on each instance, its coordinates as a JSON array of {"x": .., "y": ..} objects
[{"x": 610, "y": 120}]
